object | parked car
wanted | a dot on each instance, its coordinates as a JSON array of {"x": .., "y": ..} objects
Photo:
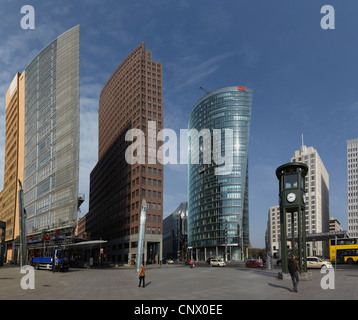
[
  {"x": 170, "y": 261},
  {"x": 217, "y": 262},
  {"x": 253, "y": 263},
  {"x": 314, "y": 262}
]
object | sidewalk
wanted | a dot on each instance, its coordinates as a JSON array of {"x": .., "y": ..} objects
[{"x": 175, "y": 282}]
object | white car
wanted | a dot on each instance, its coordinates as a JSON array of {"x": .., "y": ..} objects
[
  {"x": 217, "y": 263},
  {"x": 314, "y": 262}
]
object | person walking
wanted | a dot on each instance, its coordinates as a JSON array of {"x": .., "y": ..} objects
[
  {"x": 294, "y": 269},
  {"x": 142, "y": 275}
]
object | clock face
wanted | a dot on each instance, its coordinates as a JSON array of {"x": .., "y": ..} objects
[{"x": 291, "y": 197}]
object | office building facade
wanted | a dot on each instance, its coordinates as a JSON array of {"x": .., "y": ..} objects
[
  {"x": 218, "y": 209},
  {"x": 317, "y": 196},
  {"x": 14, "y": 162},
  {"x": 131, "y": 99},
  {"x": 273, "y": 242},
  {"x": 52, "y": 133},
  {"x": 352, "y": 187},
  {"x": 334, "y": 225},
  {"x": 175, "y": 233},
  {"x": 42, "y": 141}
]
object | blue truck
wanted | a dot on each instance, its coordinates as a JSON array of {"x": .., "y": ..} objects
[{"x": 59, "y": 261}]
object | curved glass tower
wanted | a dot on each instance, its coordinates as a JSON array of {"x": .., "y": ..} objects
[{"x": 218, "y": 217}]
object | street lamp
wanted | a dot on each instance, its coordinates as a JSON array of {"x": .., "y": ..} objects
[{"x": 22, "y": 226}]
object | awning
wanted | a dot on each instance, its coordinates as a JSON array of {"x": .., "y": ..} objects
[
  {"x": 324, "y": 236},
  {"x": 85, "y": 244}
]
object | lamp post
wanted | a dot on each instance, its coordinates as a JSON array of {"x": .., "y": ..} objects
[
  {"x": 2, "y": 242},
  {"x": 292, "y": 201},
  {"x": 22, "y": 226}
]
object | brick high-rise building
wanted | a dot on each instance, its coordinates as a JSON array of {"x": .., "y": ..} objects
[{"x": 131, "y": 98}]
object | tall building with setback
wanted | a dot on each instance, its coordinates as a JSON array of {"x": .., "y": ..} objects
[
  {"x": 131, "y": 99},
  {"x": 218, "y": 208},
  {"x": 352, "y": 187},
  {"x": 42, "y": 140},
  {"x": 317, "y": 196}
]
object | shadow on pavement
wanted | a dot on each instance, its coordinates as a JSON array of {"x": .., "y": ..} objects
[{"x": 277, "y": 286}]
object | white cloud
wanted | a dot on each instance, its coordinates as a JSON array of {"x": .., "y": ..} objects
[{"x": 193, "y": 70}]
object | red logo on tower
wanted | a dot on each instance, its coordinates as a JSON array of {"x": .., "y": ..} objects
[{"x": 240, "y": 88}]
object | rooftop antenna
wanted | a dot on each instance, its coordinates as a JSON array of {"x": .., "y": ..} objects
[
  {"x": 201, "y": 88},
  {"x": 302, "y": 140}
]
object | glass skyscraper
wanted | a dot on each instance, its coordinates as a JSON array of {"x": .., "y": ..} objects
[
  {"x": 52, "y": 132},
  {"x": 218, "y": 215}
]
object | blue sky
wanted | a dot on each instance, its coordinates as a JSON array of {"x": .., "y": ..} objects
[{"x": 304, "y": 78}]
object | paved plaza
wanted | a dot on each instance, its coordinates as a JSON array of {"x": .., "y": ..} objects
[{"x": 175, "y": 282}]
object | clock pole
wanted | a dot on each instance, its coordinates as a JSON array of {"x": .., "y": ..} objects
[{"x": 292, "y": 200}]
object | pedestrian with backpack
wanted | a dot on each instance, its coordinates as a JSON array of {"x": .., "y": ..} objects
[{"x": 294, "y": 269}]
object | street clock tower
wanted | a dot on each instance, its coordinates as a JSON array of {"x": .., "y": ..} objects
[{"x": 292, "y": 200}]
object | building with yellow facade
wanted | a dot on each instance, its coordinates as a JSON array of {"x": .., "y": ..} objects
[{"x": 14, "y": 165}]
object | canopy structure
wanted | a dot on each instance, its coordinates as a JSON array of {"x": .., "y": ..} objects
[
  {"x": 324, "y": 236},
  {"x": 87, "y": 244}
]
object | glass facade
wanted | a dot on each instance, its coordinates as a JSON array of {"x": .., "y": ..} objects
[
  {"x": 52, "y": 130},
  {"x": 175, "y": 235},
  {"x": 218, "y": 214}
]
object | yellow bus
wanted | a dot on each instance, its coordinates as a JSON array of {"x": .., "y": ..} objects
[{"x": 347, "y": 250}]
